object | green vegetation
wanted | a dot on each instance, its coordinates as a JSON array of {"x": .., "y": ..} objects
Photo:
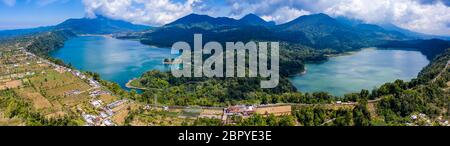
[
  {"x": 396, "y": 101},
  {"x": 14, "y": 106},
  {"x": 45, "y": 42},
  {"x": 390, "y": 104}
]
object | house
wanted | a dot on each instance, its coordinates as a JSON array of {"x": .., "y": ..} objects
[
  {"x": 97, "y": 103},
  {"x": 108, "y": 122},
  {"x": 116, "y": 103},
  {"x": 240, "y": 110},
  {"x": 90, "y": 119},
  {"x": 73, "y": 92},
  {"x": 103, "y": 115},
  {"x": 108, "y": 111}
]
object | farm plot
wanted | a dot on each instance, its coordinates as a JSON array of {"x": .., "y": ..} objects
[
  {"x": 38, "y": 101},
  {"x": 10, "y": 84}
]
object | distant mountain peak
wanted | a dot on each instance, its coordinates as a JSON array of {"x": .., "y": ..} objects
[
  {"x": 192, "y": 19},
  {"x": 252, "y": 19},
  {"x": 316, "y": 17},
  {"x": 313, "y": 20},
  {"x": 251, "y": 16},
  {"x": 207, "y": 22},
  {"x": 99, "y": 25}
]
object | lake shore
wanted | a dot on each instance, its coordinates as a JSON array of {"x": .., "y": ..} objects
[
  {"x": 99, "y": 35},
  {"x": 128, "y": 85}
]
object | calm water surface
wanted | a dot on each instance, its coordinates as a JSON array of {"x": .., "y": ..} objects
[
  {"x": 115, "y": 60},
  {"x": 121, "y": 60},
  {"x": 365, "y": 69}
]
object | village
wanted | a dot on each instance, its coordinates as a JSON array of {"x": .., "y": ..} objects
[{"x": 56, "y": 90}]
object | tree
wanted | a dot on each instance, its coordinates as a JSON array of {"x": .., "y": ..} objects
[{"x": 361, "y": 115}]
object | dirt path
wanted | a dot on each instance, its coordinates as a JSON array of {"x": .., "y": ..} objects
[{"x": 442, "y": 71}]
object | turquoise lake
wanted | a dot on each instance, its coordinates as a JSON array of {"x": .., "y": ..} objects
[
  {"x": 121, "y": 60},
  {"x": 366, "y": 69},
  {"x": 115, "y": 60}
]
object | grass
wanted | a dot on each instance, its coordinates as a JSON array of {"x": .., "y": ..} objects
[
  {"x": 38, "y": 101},
  {"x": 10, "y": 84},
  {"x": 107, "y": 99},
  {"x": 46, "y": 90},
  {"x": 120, "y": 116},
  {"x": 52, "y": 79},
  {"x": 4, "y": 121},
  {"x": 159, "y": 118}
]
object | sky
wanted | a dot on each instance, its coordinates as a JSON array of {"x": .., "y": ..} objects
[{"x": 425, "y": 16}]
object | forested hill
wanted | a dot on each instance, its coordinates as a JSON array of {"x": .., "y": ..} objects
[
  {"x": 317, "y": 31},
  {"x": 5, "y": 34},
  {"x": 45, "y": 42},
  {"x": 98, "y": 25},
  {"x": 430, "y": 48}
]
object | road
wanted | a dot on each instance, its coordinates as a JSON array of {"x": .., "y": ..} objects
[{"x": 442, "y": 71}]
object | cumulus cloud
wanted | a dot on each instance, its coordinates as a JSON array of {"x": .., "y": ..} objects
[
  {"x": 431, "y": 18},
  {"x": 9, "y": 2},
  {"x": 285, "y": 14},
  {"x": 153, "y": 12},
  {"x": 426, "y": 16}
]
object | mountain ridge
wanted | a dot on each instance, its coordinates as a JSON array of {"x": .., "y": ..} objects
[
  {"x": 98, "y": 25},
  {"x": 208, "y": 22},
  {"x": 317, "y": 30}
]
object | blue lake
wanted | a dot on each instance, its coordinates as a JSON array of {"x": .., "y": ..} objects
[
  {"x": 365, "y": 69},
  {"x": 121, "y": 60},
  {"x": 115, "y": 60}
]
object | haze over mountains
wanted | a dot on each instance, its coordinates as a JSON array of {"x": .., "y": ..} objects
[
  {"x": 98, "y": 25},
  {"x": 208, "y": 22},
  {"x": 317, "y": 31}
]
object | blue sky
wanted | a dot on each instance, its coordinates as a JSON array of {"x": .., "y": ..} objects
[
  {"x": 32, "y": 13},
  {"x": 426, "y": 16}
]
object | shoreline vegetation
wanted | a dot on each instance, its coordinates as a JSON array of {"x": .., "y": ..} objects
[
  {"x": 100, "y": 35},
  {"x": 362, "y": 113},
  {"x": 393, "y": 104},
  {"x": 132, "y": 84}
]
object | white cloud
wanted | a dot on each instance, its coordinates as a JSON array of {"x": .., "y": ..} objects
[
  {"x": 285, "y": 14},
  {"x": 9, "y": 2},
  {"x": 426, "y": 16},
  {"x": 152, "y": 12},
  {"x": 411, "y": 14}
]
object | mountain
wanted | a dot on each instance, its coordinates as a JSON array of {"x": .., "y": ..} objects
[
  {"x": 412, "y": 34},
  {"x": 99, "y": 25},
  {"x": 202, "y": 21},
  {"x": 18, "y": 32},
  {"x": 326, "y": 32},
  {"x": 389, "y": 27},
  {"x": 430, "y": 48},
  {"x": 252, "y": 19},
  {"x": 306, "y": 22},
  {"x": 317, "y": 31},
  {"x": 208, "y": 22}
]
